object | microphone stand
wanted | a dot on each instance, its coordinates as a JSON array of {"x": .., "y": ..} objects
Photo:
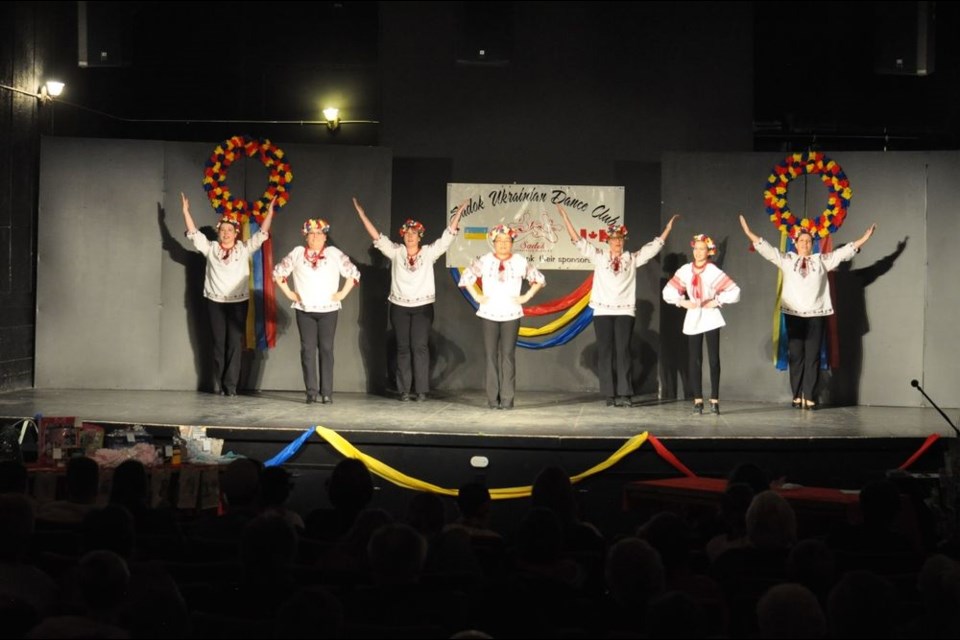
[
  {"x": 916, "y": 385},
  {"x": 950, "y": 476}
]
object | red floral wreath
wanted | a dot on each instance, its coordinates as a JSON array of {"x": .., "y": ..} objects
[
  {"x": 215, "y": 176},
  {"x": 838, "y": 198}
]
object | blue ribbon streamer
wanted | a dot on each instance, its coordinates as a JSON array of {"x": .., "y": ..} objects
[{"x": 290, "y": 450}]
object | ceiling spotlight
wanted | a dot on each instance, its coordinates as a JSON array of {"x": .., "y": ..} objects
[{"x": 332, "y": 114}]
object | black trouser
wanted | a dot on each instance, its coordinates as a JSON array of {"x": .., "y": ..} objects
[
  {"x": 500, "y": 350},
  {"x": 228, "y": 321},
  {"x": 317, "y": 331},
  {"x": 613, "y": 342},
  {"x": 696, "y": 363},
  {"x": 804, "y": 337},
  {"x": 412, "y": 326}
]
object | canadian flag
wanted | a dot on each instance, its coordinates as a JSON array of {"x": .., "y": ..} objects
[{"x": 600, "y": 235}]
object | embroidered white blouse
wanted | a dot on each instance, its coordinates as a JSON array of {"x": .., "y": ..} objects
[
  {"x": 704, "y": 285},
  {"x": 228, "y": 271},
  {"x": 614, "y": 290},
  {"x": 502, "y": 281},
  {"x": 411, "y": 278},
  {"x": 316, "y": 276},
  {"x": 806, "y": 288}
]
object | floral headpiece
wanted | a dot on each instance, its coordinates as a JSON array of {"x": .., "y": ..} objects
[
  {"x": 502, "y": 229},
  {"x": 411, "y": 224},
  {"x": 229, "y": 218},
  {"x": 707, "y": 240},
  {"x": 316, "y": 225},
  {"x": 617, "y": 230},
  {"x": 799, "y": 231}
]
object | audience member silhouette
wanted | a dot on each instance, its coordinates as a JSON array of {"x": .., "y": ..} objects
[
  {"x": 790, "y": 610},
  {"x": 239, "y": 492},
  {"x": 82, "y": 485},
  {"x": 19, "y": 579},
  {"x": 862, "y": 605},
  {"x": 276, "y": 484},
  {"x": 350, "y": 490}
]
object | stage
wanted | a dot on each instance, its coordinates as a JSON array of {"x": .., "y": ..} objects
[{"x": 453, "y": 438}]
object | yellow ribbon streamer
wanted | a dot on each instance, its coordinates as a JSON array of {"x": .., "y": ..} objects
[{"x": 401, "y": 479}]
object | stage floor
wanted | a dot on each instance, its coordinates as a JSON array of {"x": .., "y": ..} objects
[{"x": 536, "y": 415}]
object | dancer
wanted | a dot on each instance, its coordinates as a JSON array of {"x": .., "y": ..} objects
[
  {"x": 412, "y": 294},
  {"x": 805, "y": 301},
  {"x": 702, "y": 288},
  {"x": 316, "y": 269},
  {"x": 227, "y": 289},
  {"x": 501, "y": 307},
  {"x": 614, "y": 303}
]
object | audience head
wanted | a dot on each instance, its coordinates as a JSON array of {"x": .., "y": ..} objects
[
  {"x": 670, "y": 535},
  {"x": 276, "y": 484},
  {"x": 240, "y": 483},
  {"x": 350, "y": 486},
  {"x": 473, "y": 500},
  {"x": 83, "y": 480},
  {"x": 397, "y": 553},
  {"x": 552, "y": 489},
  {"x": 425, "y": 513},
  {"x": 634, "y": 572},
  {"x": 790, "y": 610},
  {"x": 268, "y": 542},
  {"x": 750, "y": 474},
  {"x": 771, "y": 522},
  {"x": 129, "y": 486},
  {"x": 862, "y": 605}
]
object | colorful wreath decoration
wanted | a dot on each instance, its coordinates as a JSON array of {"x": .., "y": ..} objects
[
  {"x": 215, "y": 176},
  {"x": 838, "y": 198}
]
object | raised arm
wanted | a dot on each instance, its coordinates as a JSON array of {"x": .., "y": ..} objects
[
  {"x": 454, "y": 225},
  {"x": 866, "y": 236},
  {"x": 667, "y": 229},
  {"x": 372, "y": 230},
  {"x": 746, "y": 229},
  {"x": 187, "y": 218},
  {"x": 566, "y": 221},
  {"x": 268, "y": 219}
]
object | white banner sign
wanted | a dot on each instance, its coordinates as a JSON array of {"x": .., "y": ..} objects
[{"x": 531, "y": 209}]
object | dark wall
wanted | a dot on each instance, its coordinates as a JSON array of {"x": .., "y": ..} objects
[{"x": 582, "y": 93}]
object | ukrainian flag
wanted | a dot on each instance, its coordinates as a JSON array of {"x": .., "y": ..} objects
[{"x": 475, "y": 233}]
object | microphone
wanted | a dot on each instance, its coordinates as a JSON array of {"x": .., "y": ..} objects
[{"x": 916, "y": 385}]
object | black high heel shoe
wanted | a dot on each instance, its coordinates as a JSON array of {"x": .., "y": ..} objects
[
  {"x": 698, "y": 407},
  {"x": 715, "y": 408},
  {"x": 797, "y": 404}
]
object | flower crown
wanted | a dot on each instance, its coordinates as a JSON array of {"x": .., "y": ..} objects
[
  {"x": 617, "y": 230},
  {"x": 414, "y": 225},
  {"x": 799, "y": 231},
  {"x": 707, "y": 240},
  {"x": 316, "y": 225},
  {"x": 502, "y": 229},
  {"x": 229, "y": 218}
]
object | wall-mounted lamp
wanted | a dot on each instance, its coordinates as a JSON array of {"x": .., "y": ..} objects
[
  {"x": 48, "y": 91},
  {"x": 51, "y": 89},
  {"x": 332, "y": 114}
]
